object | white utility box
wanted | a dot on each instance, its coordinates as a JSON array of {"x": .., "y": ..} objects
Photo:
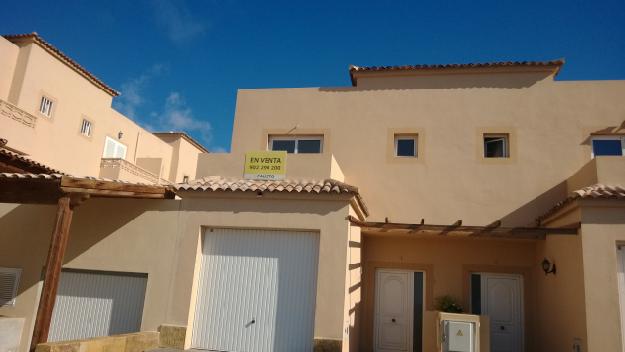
[
  {"x": 458, "y": 336},
  {"x": 459, "y": 333}
]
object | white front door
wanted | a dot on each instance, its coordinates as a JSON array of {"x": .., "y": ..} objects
[
  {"x": 394, "y": 301},
  {"x": 502, "y": 297},
  {"x": 620, "y": 253},
  {"x": 256, "y": 291}
]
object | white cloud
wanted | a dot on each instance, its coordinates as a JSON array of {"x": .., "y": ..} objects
[
  {"x": 177, "y": 116},
  {"x": 132, "y": 91},
  {"x": 176, "y": 19}
]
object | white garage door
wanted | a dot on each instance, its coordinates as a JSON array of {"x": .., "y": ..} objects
[
  {"x": 90, "y": 304},
  {"x": 256, "y": 291}
]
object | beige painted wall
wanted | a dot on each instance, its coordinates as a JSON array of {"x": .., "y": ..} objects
[
  {"x": 8, "y": 60},
  {"x": 161, "y": 238},
  {"x": 548, "y": 120},
  {"x": 603, "y": 227},
  {"x": 447, "y": 264},
  {"x": 184, "y": 158}
]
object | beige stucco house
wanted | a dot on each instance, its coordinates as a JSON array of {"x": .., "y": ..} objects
[
  {"x": 58, "y": 113},
  {"x": 492, "y": 184}
]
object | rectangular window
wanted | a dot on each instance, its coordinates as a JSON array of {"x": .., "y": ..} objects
[
  {"x": 406, "y": 145},
  {"x": 85, "y": 128},
  {"x": 45, "y": 107},
  {"x": 496, "y": 145},
  {"x": 297, "y": 144},
  {"x": 608, "y": 145},
  {"x": 9, "y": 281},
  {"x": 114, "y": 149}
]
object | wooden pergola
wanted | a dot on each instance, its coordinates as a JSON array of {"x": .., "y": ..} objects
[
  {"x": 67, "y": 192},
  {"x": 493, "y": 230}
]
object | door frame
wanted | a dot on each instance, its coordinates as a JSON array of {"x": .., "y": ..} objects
[
  {"x": 620, "y": 277},
  {"x": 411, "y": 319},
  {"x": 521, "y": 280}
]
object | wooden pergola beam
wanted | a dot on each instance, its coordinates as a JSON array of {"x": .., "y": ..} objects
[
  {"x": 492, "y": 230},
  {"x": 52, "y": 271}
]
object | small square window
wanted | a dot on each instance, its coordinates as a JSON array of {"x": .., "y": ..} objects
[
  {"x": 85, "y": 128},
  {"x": 406, "y": 146},
  {"x": 496, "y": 146},
  {"x": 45, "y": 107},
  {"x": 608, "y": 145},
  {"x": 185, "y": 179}
]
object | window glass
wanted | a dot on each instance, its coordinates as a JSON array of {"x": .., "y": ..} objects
[
  {"x": 286, "y": 145},
  {"x": 308, "y": 146},
  {"x": 46, "y": 106},
  {"x": 496, "y": 146},
  {"x": 406, "y": 147},
  {"x": 607, "y": 147},
  {"x": 114, "y": 149}
]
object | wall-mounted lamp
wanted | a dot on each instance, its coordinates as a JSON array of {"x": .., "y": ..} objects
[
  {"x": 120, "y": 134},
  {"x": 548, "y": 267}
]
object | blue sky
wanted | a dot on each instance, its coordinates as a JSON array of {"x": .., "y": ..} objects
[{"x": 179, "y": 63}]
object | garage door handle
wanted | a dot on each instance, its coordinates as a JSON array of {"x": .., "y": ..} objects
[
  {"x": 502, "y": 327},
  {"x": 253, "y": 320},
  {"x": 393, "y": 320}
]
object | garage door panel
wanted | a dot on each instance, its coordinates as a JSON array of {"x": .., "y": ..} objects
[
  {"x": 90, "y": 304},
  {"x": 256, "y": 290}
]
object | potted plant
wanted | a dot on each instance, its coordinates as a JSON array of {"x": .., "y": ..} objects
[{"x": 448, "y": 304}]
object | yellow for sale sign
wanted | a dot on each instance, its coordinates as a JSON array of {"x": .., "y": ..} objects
[{"x": 265, "y": 165}]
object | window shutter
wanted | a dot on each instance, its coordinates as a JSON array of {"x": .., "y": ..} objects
[{"x": 9, "y": 281}]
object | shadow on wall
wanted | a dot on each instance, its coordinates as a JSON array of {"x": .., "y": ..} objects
[
  {"x": 447, "y": 81},
  {"x": 26, "y": 232},
  {"x": 527, "y": 214}
]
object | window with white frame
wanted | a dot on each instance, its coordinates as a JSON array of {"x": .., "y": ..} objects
[
  {"x": 496, "y": 145},
  {"x": 114, "y": 149},
  {"x": 608, "y": 145},
  {"x": 45, "y": 107},
  {"x": 406, "y": 145},
  {"x": 302, "y": 144},
  {"x": 85, "y": 128},
  {"x": 9, "y": 282}
]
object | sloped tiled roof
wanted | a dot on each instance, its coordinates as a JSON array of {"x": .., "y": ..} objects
[
  {"x": 16, "y": 175},
  {"x": 596, "y": 191},
  {"x": 423, "y": 67},
  {"x": 224, "y": 184},
  {"x": 30, "y": 165},
  {"x": 34, "y": 37}
]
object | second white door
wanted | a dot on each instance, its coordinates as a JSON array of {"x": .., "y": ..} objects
[{"x": 502, "y": 303}]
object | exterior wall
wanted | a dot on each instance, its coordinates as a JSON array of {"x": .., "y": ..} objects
[
  {"x": 162, "y": 238},
  {"x": 548, "y": 122},
  {"x": 353, "y": 289},
  {"x": 447, "y": 264},
  {"x": 8, "y": 60},
  {"x": 603, "y": 227},
  {"x": 561, "y": 309},
  {"x": 184, "y": 158}
]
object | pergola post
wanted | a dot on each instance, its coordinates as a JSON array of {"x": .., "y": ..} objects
[{"x": 52, "y": 271}]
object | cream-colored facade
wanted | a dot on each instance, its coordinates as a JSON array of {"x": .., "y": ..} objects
[
  {"x": 549, "y": 126},
  {"x": 31, "y": 69}
]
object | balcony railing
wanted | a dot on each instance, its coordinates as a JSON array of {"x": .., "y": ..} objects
[
  {"x": 14, "y": 113},
  {"x": 127, "y": 171}
]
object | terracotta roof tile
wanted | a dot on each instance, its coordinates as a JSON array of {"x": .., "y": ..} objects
[
  {"x": 423, "y": 67},
  {"x": 596, "y": 191},
  {"x": 16, "y": 38},
  {"x": 223, "y": 184},
  {"x": 16, "y": 175},
  {"x": 40, "y": 168}
]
